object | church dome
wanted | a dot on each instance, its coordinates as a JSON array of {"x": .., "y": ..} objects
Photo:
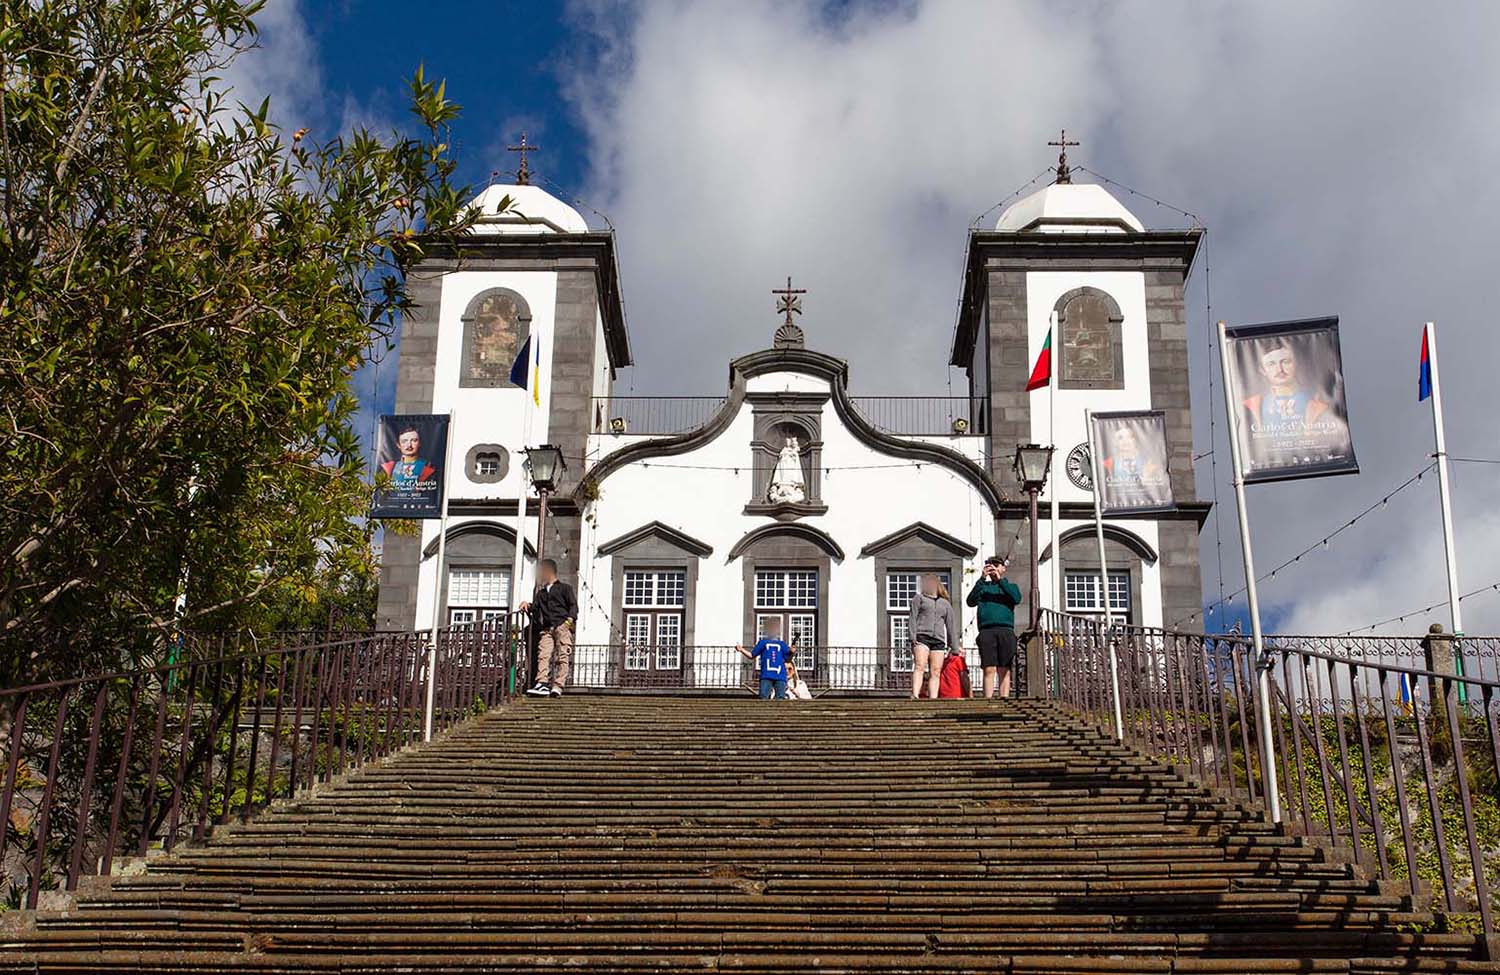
[
  {"x": 533, "y": 211},
  {"x": 1076, "y": 208}
]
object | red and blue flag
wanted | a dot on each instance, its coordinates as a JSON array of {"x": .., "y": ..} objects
[{"x": 1424, "y": 372}]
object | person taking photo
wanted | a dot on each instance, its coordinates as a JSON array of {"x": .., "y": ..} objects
[{"x": 996, "y": 598}]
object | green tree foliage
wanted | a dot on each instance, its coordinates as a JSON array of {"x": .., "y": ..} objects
[{"x": 187, "y": 291}]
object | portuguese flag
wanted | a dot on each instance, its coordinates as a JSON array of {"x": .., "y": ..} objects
[{"x": 1041, "y": 373}]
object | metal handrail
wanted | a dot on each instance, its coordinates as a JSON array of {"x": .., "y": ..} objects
[
  {"x": 1369, "y": 754},
  {"x": 106, "y": 765}
]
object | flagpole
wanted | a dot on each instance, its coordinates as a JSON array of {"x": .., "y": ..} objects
[
  {"x": 1439, "y": 442},
  {"x": 1262, "y": 666},
  {"x": 437, "y": 589},
  {"x": 1057, "y": 603},
  {"x": 518, "y": 558},
  {"x": 1109, "y": 623}
]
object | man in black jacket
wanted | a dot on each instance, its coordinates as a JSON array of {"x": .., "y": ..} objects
[{"x": 555, "y": 613}]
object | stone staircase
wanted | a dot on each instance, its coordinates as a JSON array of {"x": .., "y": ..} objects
[{"x": 625, "y": 835}]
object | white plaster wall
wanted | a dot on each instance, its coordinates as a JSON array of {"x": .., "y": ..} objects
[
  {"x": 505, "y": 416},
  {"x": 708, "y": 505},
  {"x": 1128, "y": 289}
]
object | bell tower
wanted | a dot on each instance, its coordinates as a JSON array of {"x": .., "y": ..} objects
[
  {"x": 531, "y": 270},
  {"x": 1072, "y": 261}
]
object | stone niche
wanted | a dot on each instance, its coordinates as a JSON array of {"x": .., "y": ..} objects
[{"x": 779, "y": 416}]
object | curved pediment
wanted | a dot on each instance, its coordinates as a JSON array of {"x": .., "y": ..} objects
[
  {"x": 793, "y": 529},
  {"x": 1113, "y": 533},
  {"x": 821, "y": 366},
  {"x": 503, "y": 532}
]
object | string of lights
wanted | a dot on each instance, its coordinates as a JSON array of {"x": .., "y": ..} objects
[
  {"x": 1492, "y": 587},
  {"x": 584, "y": 588},
  {"x": 1213, "y": 412},
  {"x": 1197, "y": 221},
  {"x": 1320, "y": 543},
  {"x": 1046, "y": 171}
]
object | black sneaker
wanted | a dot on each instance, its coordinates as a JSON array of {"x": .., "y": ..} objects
[
  {"x": 540, "y": 690},
  {"x": 556, "y": 691}
]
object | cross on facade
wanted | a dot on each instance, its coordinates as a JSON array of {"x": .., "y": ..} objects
[
  {"x": 523, "y": 175},
  {"x": 1064, "y": 174},
  {"x": 789, "y": 304}
]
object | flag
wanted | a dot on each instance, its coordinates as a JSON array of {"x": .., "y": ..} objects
[
  {"x": 1041, "y": 373},
  {"x": 1424, "y": 372},
  {"x": 526, "y": 371}
]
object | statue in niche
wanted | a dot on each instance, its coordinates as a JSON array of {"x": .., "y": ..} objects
[{"x": 787, "y": 483}]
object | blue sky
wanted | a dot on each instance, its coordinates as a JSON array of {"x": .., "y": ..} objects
[
  {"x": 1331, "y": 149},
  {"x": 504, "y": 63}
]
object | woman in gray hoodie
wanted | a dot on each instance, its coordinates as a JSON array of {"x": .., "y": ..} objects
[{"x": 934, "y": 630}]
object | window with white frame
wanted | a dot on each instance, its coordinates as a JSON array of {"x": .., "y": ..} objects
[
  {"x": 654, "y": 601},
  {"x": 900, "y": 586},
  {"x": 475, "y": 595},
  {"x": 791, "y": 597},
  {"x": 1081, "y": 592}
]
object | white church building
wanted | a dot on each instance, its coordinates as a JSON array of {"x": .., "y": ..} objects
[{"x": 686, "y": 523}]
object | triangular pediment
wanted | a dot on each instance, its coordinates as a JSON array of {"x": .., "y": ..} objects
[{"x": 665, "y": 533}]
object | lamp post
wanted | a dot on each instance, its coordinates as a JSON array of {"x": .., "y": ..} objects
[
  {"x": 1031, "y": 465},
  {"x": 544, "y": 465}
]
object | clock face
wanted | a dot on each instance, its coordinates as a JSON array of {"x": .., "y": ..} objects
[{"x": 1080, "y": 467}]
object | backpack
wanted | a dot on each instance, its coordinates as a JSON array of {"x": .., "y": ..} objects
[{"x": 953, "y": 680}]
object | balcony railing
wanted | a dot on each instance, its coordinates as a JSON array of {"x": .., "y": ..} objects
[{"x": 910, "y": 416}]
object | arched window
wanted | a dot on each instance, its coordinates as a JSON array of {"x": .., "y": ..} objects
[
  {"x": 1089, "y": 326},
  {"x": 495, "y": 324}
]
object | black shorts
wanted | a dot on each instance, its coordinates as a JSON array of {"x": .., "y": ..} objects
[{"x": 997, "y": 646}]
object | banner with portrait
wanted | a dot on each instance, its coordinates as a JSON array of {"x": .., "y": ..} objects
[
  {"x": 409, "y": 459},
  {"x": 1287, "y": 379},
  {"x": 1133, "y": 475}
]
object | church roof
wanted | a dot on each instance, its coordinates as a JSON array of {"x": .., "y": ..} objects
[
  {"x": 533, "y": 211},
  {"x": 1069, "y": 208}
]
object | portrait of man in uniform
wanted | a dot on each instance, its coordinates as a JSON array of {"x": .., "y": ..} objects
[
  {"x": 411, "y": 453},
  {"x": 1133, "y": 461},
  {"x": 408, "y": 470},
  {"x": 1288, "y": 381}
]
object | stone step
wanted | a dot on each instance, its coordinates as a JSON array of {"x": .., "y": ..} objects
[{"x": 635, "y": 835}]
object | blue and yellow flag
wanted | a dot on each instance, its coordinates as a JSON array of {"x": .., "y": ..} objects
[{"x": 526, "y": 371}]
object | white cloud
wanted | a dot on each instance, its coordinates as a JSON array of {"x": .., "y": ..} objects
[{"x": 1334, "y": 150}]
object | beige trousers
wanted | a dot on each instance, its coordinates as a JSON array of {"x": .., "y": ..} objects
[{"x": 554, "y": 655}]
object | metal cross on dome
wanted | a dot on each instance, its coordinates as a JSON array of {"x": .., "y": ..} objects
[
  {"x": 789, "y": 304},
  {"x": 523, "y": 175},
  {"x": 1064, "y": 174}
]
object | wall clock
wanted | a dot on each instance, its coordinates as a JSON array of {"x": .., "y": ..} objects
[{"x": 1080, "y": 467}]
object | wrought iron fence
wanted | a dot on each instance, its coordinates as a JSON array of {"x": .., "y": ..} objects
[
  {"x": 921, "y": 416},
  {"x": 1395, "y": 762},
  {"x": 932, "y": 416},
  {"x": 721, "y": 669},
  {"x": 103, "y": 767},
  {"x": 653, "y": 415}
]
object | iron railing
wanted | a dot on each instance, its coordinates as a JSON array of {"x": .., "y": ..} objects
[
  {"x": 1475, "y": 656},
  {"x": 107, "y": 766},
  {"x": 653, "y": 415},
  {"x": 1394, "y": 762},
  {"x": 921, "y": 416},
  {"x": 931, "y": 416},
  {"x": 720, "y": 669}
]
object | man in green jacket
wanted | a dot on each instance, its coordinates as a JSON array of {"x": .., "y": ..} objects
[{"x": 997, "y": 598}]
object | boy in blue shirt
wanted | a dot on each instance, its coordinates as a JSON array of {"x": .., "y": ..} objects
[{"x": 773, "y": 654}]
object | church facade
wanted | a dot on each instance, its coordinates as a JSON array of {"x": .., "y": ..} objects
[{"x": 688, "y": 523}]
